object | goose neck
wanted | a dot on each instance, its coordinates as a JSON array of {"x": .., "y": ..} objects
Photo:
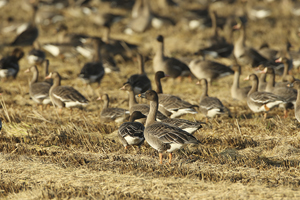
[
  {"x": 254, "y": 87},
  {"x": 132, "y": 100},
  {"x": 34, "y": 76},
  {"x": 151, "y": 118},
  {"x": 236, "y": 80}
]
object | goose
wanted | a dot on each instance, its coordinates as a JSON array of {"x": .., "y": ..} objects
[
  {"x": 170, "y": 105},
  {"x": 93, "y": 71},
  {"x": 134, "y": 106},
  {"x": 161, "y": 136},
  {"x": 287, "y": 63},
  {"x": 36, "y": 56},
  {"x": 64, "y": 96},
  {"x": 288, "y": 94},
  {"x": 38, "y": 91},
  {"x": 243, "y": 54},
  {"x": 210, "y": 106},
  {"x": 261, "y": 101},
  {"x": 112, "y": 114},
  {"x": 208, "y": 70},
  {"x": 131, "y": 132},
  {"x": 30, "y": 34},
  {"x": 267, "y": 52},
  {"x": 169, "y": 65},
  {"x": 296, "y": 85},
  {"x": 140, "y": 82},
  {"x": 186, "y": 125},
  {"x": 237, "y": 92},
  {"x": 9, "y": 65}
]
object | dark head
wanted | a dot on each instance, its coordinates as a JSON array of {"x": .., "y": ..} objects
[
  {"x": 202, "y": 81},
  {"x": 126, "y": 87},
  {"x": 159, "y": 75},
  {"x": 251, "y": 77},
  {"x": 18, "y": 53},
  {"x": 160, "y": 38},
  {"x": 295, "y": 85},
  {"x": 137, "y": 115},
  {"x": 150, "y": 95}
]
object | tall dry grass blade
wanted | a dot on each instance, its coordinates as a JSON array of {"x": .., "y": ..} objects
[{"x": 5, "y": 109}]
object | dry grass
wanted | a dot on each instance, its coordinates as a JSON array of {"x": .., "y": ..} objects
[{"x": 44, "y": 156}]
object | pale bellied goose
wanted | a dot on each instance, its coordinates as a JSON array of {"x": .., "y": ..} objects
[
  {"x": 140, "y": 82},
  {"x": 134, "y": 106},
  {"x": 237, "y": 92},
  {"x": 186, "y": 125},
  {"x": 296, "y": 85},
  {"x": 112, "y": 114},
  {"x": 209, "y": 106},
  {"x": 243, "y": 54},
  {"x": 261, "y": 101},
  {"x": 9, "y": 65},
  {"x": 38, "y": 91},
  {"x": 36, "y": 56},
  {"x": 161, "y": 136},
  {"x": 93, "y": 71},
  {"x": 30, "y": 34},
  {"x": 132, "y": 133},
  {"x": 64, "y": 96},
  {"x": 209, "y": 70},
  {"x": 170, "y": 105},
  {"x": 288, "y": 94},
  {"x": 171, "y": 66}
]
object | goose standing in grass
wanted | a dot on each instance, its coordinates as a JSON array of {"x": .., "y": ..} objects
[
  {"x": 9, "y": 65},
  {"x": 170, "y": 105},
  {"x": 209, "y": 70},
  {"x": 93, "y": 71},
  {"x": 161, "y": 136},
  {"x": 140, "y": 82},
  {"x": 112, "y": 114},
  {"x": 36, "y": 56},
  {"x": 38, "y": 91},
  {"x": 288, "y": 94},
  {"x": 134, "y": 106},
  {"x": 132, "y": 133},
  {"x": 261, "y": 101},
  {"x": 237, "y": 92},
  {"x": 169, "y": 65},
  {"x": 64, "y": 96},
  {"x": 296, "y": 85},
  {"x": 210, "y": 106}
]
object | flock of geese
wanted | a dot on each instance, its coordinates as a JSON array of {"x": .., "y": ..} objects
[{"x": 157, "y": 123}]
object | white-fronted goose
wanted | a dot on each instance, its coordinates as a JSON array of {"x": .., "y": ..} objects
[
  {"x": 210, "y": 106},
  {"x": 161, "y": 136},
  {"x": 36, "y": 56},
  {"x": 64, "y": 96},
  {"x": 186, "y": 125},
  {"x": 209, "y": 70},
  {"x": 261, "y": 101},
  {"x": 9, "y": 65},
  {"x": 237, "y": 92},
  {"x": 38, "y": 91},
  {"x": 93, "y": 71},
  {"x": 132, "y": 133},
  {"x": 170, "y": 105},
  {"x": 134, "y": 106},
  {"x": 30, "y": 34},
  {"x": 112, "y": 114},
  {"x": 169, "y": 65},
  {"x": 140, "y": 82},
  {"x": 296, "y": 85},
  {"x": 243, "y": 54},
  {"x": 288, "y": 94}
]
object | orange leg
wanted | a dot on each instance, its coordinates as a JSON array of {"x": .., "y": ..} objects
[
  {"x": 285, "y": 113},
  {"x": 265, "y": 115},
  {"x": 126, "y": 147},
  {"x": 41, "y": 107},
  {"x": 160, "y": 158},
  {"x": 170, "y": 158}
]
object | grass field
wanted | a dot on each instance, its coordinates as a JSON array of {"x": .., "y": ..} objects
[{"x": 45, "y": 156}]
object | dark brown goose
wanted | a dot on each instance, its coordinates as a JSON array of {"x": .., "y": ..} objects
[
  {"x": 38, "y": 91},
  {"x": 64, "y": 96},
  {"x": 261, "y": 101},
  {"x": 140, "y": 82},
  {"x": 161, "y": 136},
  {"x": 93, "y": 71},
  {"x": 9, "y": 65},
  {"x": 170, "y": 105},
  {"x": 237, "y": 92},
  {"x": 132, "y": 133},
  {"x": 169, "y": 65},
  {"x": 108, "y": 114},
  {"x": 134, "y": 106}
]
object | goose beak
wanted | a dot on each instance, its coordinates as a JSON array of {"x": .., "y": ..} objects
[
  {"x": 264, "y": 71},
  {"x": 99, "y": 98},
  {"x": 279, "y": 60},
  {"x": 122, "y": 88},
  {"x": 290, "y": 85},
  {"x": 198, "y": 83},
  {"x": 49, "y": 76},
  {"x": 247, "y": 78},
  {"x": 143, "y": 95},
  {"x": 237, "y": 27},
  {"x": 27, "y": 70}
]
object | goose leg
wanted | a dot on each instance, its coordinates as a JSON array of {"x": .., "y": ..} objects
[
  {"x": 285, "y": 113},
  {"x": 265, "y": 115},
  {"x": 160, "y": 158},
  {"x": 170, "y": 158}
]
